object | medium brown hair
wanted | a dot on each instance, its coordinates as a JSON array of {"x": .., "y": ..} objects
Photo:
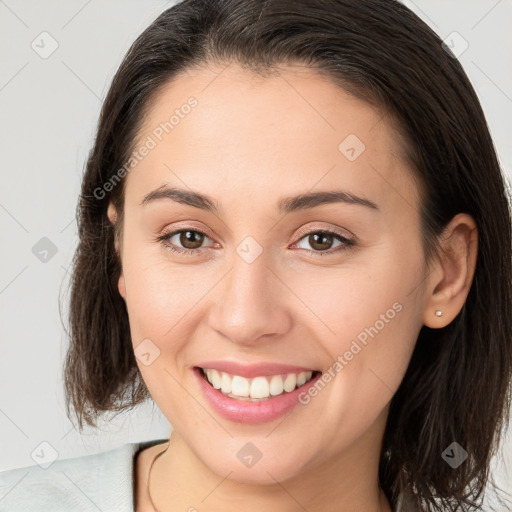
[{"x": 457, "y": 386}]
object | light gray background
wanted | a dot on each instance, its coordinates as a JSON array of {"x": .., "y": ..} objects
[{"x": 49, "y": 109}]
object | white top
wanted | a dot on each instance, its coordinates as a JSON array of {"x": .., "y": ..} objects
[{"x": 102, "y": 482}]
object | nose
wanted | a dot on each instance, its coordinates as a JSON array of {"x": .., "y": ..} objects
[{"x": 251, "y": 304}]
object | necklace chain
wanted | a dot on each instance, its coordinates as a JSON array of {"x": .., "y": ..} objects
[{"x": 149, "y": 475}]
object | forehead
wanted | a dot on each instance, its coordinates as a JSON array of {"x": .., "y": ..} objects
[{"x": 290, "y": 131}]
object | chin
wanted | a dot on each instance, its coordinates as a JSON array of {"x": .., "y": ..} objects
[{"x": 263, "y": 472}]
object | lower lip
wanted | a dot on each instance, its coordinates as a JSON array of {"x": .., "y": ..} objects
[{"x": 244, "y": 411}]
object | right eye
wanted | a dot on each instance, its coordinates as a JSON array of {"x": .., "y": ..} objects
[{"x": 191, "y": 237}]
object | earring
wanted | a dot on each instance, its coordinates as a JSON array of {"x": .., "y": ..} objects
[{"x": 439, "y": 313}]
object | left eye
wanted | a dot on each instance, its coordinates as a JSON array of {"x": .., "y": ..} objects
[{"x": 322, "y": 240}]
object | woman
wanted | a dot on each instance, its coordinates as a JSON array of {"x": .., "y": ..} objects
[{"x": 294, "y": 238}]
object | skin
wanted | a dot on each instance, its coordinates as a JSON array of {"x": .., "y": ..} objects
[{"x": 249, "y": 142}]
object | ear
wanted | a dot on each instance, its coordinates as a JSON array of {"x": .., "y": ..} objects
[
  {"x": 452, "y": 275},
  {"x": 112, "y": 217}
]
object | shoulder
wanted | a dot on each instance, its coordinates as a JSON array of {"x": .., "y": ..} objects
[{"x": 99, "y": 481}]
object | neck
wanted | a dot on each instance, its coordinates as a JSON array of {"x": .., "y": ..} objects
[{"x": 179, "y": 480}]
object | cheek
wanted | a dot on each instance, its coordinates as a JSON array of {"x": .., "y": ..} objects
[
  {"x": 367, "y": 317},
  {"x": 163, "y": 304},
  {"x": 161, "y": 294},
  {"x": 367, "y": 325},
  {"x": 343, "y": 302}
]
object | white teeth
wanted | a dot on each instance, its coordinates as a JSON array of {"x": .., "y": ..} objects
[
  {"x": 261, "y": 388},
  {"x": 276, "y": 385},
  {"x": 290, "y": 382},
  {"x": 301, "y": 378},
  {"x": 225, "y": 383},
  {"x": 215, "y": 379},
  {"x": 239, "y": 386}
]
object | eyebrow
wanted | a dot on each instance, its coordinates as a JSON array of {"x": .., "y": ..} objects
[{"x": 285, "y": 205}]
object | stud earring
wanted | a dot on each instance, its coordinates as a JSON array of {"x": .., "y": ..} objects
[{"x": 439, "y": 313}]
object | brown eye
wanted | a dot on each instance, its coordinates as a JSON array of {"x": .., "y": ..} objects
[
  {"x": 321, "y": 241},
  {"x": 191, "y": 239},
  {"x": 186, "y": 241}
]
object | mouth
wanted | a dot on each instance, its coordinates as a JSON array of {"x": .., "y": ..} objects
[{"x": 258, "y": 388}]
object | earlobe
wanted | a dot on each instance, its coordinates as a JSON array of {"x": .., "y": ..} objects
[
  {"x": 451, "y": 279},
  {"x": 112, "y": 213},
  {"x": 121, "y": 286},
  {"x": 112, "y": 217}
]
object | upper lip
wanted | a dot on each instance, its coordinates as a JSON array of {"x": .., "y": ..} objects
[{"x": 253, "y": 370}]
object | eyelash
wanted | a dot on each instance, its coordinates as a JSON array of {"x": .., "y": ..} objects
[{"x": 346, "y": 242}]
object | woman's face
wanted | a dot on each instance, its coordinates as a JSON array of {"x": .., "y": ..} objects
[{"x": 328, "y": 286}]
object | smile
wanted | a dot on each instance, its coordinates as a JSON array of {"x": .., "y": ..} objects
[{"x": 257, "y": 388}]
